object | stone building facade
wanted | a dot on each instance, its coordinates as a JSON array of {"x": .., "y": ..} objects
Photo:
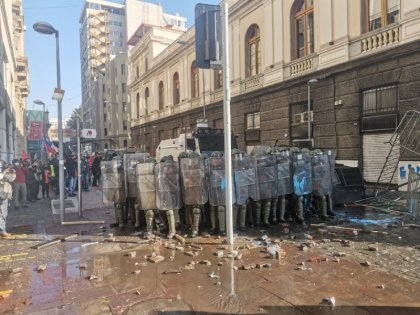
[{"x": 359, "y": 59}]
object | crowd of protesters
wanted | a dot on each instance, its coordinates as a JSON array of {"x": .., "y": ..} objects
[{"x": 37, "y": 179}]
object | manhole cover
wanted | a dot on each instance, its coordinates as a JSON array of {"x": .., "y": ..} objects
[
  {"x": 160, "y": 306},
  {"x": 70, "y": 205}
]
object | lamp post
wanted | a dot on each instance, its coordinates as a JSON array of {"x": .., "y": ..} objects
[
  {"x": 48, "y": 29},
  {"x": 311, "y": 81},
  {"x": 39, "y": 102}
]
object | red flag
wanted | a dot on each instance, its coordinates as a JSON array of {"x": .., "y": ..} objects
[{"x": 24, "y": 155}]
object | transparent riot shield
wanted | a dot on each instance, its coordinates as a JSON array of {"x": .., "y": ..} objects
[
  {"x": 267, "y": 176},
  {"x": 113, "y": 182},
  {"x": 245, "y": 178},
  {"x": 284, "y": 171},
  {"x": 146, "y": 186},
  {"x": 193, "y": 181},
  {"x": 168, "y": 190},
  {"x": 130, "y": 161},
  {"x": 321, "y": 174},
  {"x": 217, "y": 181},
  {"x": 302, "y": 173},
  {"x": 332, "y": 154}
]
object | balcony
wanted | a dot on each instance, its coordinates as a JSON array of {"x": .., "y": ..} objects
[
  {"x": 252, "y": 83},
  {"x": 301, "y": 65},
  {"x": 216, "y": 95},
  {"x": 379, "y": 39}
]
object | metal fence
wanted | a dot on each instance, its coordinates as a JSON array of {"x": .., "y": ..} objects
[{"x": 413, "y": 193}]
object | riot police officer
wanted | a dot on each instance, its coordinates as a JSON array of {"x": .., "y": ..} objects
[
  {"x": 168, "y": 190},
  {"x": 194, "y": 187},
  {"x": 113, "y": 192}
]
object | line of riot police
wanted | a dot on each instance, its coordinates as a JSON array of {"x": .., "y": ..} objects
[{"x": 269, "y": 186}]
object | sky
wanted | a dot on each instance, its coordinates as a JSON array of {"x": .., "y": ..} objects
[{"x": 40, "y": 49}]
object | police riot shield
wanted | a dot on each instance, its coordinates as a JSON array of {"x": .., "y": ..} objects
[
  {"x": 321, "y": 174},
  {"x": 267, "y": 176},
  {"x": 302, "y": 172},
  {"x": 245, "y": 178},
  {"x": 193, "y": 181},
  {"x": 113, "y": 182},
  {"x": 332, "y": 154},
  {"x": 130, "y": 161},
  {"x": 168, "y": 190},
  {"x": 284, "y": 171},
  {"x": 146, "y": 185},
  {"x": 217, "y": 181}
]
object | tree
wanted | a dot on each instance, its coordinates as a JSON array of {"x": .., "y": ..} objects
[{"x": 72, "y": 123}]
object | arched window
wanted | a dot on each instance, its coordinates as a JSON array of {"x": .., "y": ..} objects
[
  {"x": 253, "y": 51},
  {"x": 161, "y": 96},
  {"x": 195, "y": 82},
  {"x": 302, "y": 15},
  {"x": 146, "y": 102},
  {"x": 218, "y": 79},
  {"x": 175, "y": 87},
  {"x": 138, "y": 104},
  {"x": 380, "y": 13}
]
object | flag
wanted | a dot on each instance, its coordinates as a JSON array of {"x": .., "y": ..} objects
[
  {"x": 49, "y": 146},
  {"x": 24, "y": 155}
]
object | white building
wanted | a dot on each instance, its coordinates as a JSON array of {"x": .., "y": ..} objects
[
  {"x": 14, "y": 81},
  {"x": 104, "y": 30}
]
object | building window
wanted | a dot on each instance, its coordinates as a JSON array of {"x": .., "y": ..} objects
[
  {"x": 175, "y": 82},
  {"x": 253, "y": 121},
  {"x": 138, "y": 104},
  {"x": 299, "y": 119},
  {"x": 218, "y": 123},
  {"x": 218, "y": 79},
  {"x": 303, "y": 36},
  {"x": 146, "y": 101},
  {"x": 175, "y": 132},
  {"x": 253, "y": 51},
  {"x": 125, "y": 143},
  {"x": 123, "y": 87},
  {"x": 125, "y": 125},
  {"x": 161, "y": 96},
  {"x": 104, "y": 117},
  {"x": 124, "y": 106},
  {"x": 106, "y": 131},
  {"x": 195, "y": 82},
  {"x": 379, "y": 13},
  {"x": 380, "y": 100},
  {"x": 122, "y": 69},
  {"x": 106, "y": 145},
  {"x": 161, "y": 135}
]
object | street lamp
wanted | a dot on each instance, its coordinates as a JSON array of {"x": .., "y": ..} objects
[
  {"x": 48, "y": 29},
  {"x": 311, "y": 81},
  {"x": 39, "y": 102}
]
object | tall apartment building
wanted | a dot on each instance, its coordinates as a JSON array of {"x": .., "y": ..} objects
[
  {"x": 105, "y": 27},
  {"x": 14, "y": 80},
  {"x": 360, "y": 60}
]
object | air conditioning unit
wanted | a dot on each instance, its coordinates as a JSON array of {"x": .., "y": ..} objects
[
  {"x": 305, "y": 116},
  {"x": 298, "y": 118}
]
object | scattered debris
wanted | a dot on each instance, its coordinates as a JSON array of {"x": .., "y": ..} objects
[
  {"x": 347, "y": 243},
  {"x": 220, "y": 263},
  {"x": 219, "y": 253},
  {"x": 17, "y": 270},
  {"x": 307, "y": 236},
  {"x": 5, "y": 293},
  {"x": 218, "y": 283},
  {"x": 155, "y": 259},
  {"x": 330, "y": 300},
  {"x": 235, "y": 268},
  {"x": 373, "y": 248},
  {"x": 326, "y": 240},
  {"x": 83, "y": 266},
  {"x": 89, "y": 244},
  {"x": 381, "y": 286},
  {"x": 92, "y": 277},
  {"x": 366, "y": 263},
  {"x": 263, "y": 265},
  {"x": 138, "y": 292},
  {"x": 264, "y": 238},
  {"x": 41, "y": 267},
  {"x": 303, "y": 268},
  {"x": 132, "y": 254},
  {"x": 248, "y": 267},
  {"x": 336, "y": 259},
  {"x": 179, "y": 238},
  {"x": 172, "y": 272},
  {"x": 191, "y": 253},
  {"x": 406, "y": 258},
  {"x": 180, "y": 248},
  {"x": 317, "y": 259},
  {"x": 339, "y": 254},
  {"x": 189, "y": 266},
  {"x": 213, "y": 275},
  {"x": 303, "y": 248},
  {"x": 238, "y": 256},
  {"x": 205, "y": 262},
  {"x": 136, "y": 272}
]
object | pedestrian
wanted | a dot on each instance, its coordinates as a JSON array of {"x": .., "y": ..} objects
[
  {"x": 84, "y": 167},
  {"x": 6, "y": 192},
  {"x": 46, "y": 175},
  {"x": 71, "y": 167},
  {"x": 30, "y": 183},
  {"x": 55, "y": 173},
  {"x": 19, "y": 185},
  {"x": 96, "y": 169}
]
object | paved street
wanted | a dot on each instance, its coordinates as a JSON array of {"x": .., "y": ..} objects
[{"x": 274, "y": 271}]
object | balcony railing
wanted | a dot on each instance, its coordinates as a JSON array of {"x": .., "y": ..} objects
[
  {"x": 301, "y": 65},
  {"x": 252, "y": 83},
  {"x": 381, "y": 38},
  {"x": 216, "y": 95}
]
